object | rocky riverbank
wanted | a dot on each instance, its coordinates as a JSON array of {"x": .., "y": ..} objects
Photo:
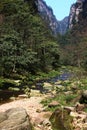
[
  {"x": 34, "y": 109},
  {"x": 62, "y": 106}
]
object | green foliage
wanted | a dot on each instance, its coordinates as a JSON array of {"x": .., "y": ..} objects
[
  {"x": 61, "y": 98},
  {"x": 83, "y": 84},
  {"x": 27, "y": 91},
  {"x": 8, "y": 83},
  {"x": 26, "y": 43},
  {"x": 46, "y": 102},
  {"x": 73, "y": 46},
  {"x": 70, "y": 98}
]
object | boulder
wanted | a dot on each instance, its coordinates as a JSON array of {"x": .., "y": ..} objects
[
  {"x": 68, "y": 93},
  {"x": 59, "y": 82},
  {"x": 47, "y": 85},
  {"x": 38, "y": 110},
  {"x": 61, "y": 120},
  {"x": 79, "y": 120},
  {"x": 53, "y": 104},
  {"x": 15, "y": 119},
  {"x": 69, "y": 109},
  {"x": 74, "y": 87},
  {"x": 46, "y": 125},
  {"x": 74, "y": 114},
  {"x": 79, "y": 107},
  {"x": 22, "y": 96},
  {"x": 85, "y": 126}
]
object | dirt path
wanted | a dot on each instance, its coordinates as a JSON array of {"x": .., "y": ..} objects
[{"x": 33, "y": 108}]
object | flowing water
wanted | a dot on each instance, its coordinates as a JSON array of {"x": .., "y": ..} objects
[{"x": 6, "y": 94}]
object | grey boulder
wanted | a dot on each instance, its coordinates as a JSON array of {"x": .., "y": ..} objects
[{"x": 15, "y": 119}]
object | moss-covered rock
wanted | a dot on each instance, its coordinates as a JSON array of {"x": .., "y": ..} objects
[{"x": 61, "y": 120}]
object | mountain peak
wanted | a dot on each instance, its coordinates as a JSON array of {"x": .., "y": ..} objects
[{"x": 47, "y": 14}]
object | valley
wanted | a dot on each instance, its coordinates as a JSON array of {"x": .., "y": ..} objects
[{"x": 43, "y": 66}]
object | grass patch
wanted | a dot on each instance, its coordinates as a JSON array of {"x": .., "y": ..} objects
[{"x": 62, "y": 99}]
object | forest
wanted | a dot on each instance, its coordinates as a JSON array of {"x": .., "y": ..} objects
[
  {"x": 45, "y": 73},
  {"x": 27, "y": 44},
  {"x": 28, "y": 48}
]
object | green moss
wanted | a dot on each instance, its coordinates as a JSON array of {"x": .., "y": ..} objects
[
  {"x": 61, "y": 120},
  {"x": 45, "y": 102},
  {"x": 13, "y": 89},
  {"x": 6, "y": 83}
]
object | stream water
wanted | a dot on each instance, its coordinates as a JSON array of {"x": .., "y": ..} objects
[
  {"x": 64, "y": 76},
  {"x": 6, "y": 94}
]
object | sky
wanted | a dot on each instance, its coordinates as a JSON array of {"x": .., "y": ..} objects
[{"x": 60, "y": 8}]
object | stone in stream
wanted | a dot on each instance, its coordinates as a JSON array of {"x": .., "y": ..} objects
[
  {"x": 59, "y": 82},
  {"x": 47, "y": 85},
  {"x": 15, "y": 119}
]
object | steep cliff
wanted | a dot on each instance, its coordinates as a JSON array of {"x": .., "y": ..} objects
[
  {"x": 46, "y": 13},
  {"x": 63, "y": 25},
  {"x": 78, "y": 33},
  {"x": 78, "y": 12}
]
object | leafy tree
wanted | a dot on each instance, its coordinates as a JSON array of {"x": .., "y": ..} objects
[{"x": 26, "y": 43}]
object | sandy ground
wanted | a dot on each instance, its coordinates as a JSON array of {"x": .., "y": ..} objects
[{"x": 32, "y": 106}]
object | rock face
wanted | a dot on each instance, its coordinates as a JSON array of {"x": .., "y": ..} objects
[
  {"x": 78, "y": 11},
  {"x": 63, "y": 25},
  {"x": 75, "y": 11},
  {"x": 15, "y": 119},
  {"x": 46, "y": 13}
]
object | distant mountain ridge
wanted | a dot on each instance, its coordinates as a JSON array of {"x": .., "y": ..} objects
[
  {"x": 46, "y": 13},
  {"x": 63, "y": 25},
  {"x": 78, "y": 13}
]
